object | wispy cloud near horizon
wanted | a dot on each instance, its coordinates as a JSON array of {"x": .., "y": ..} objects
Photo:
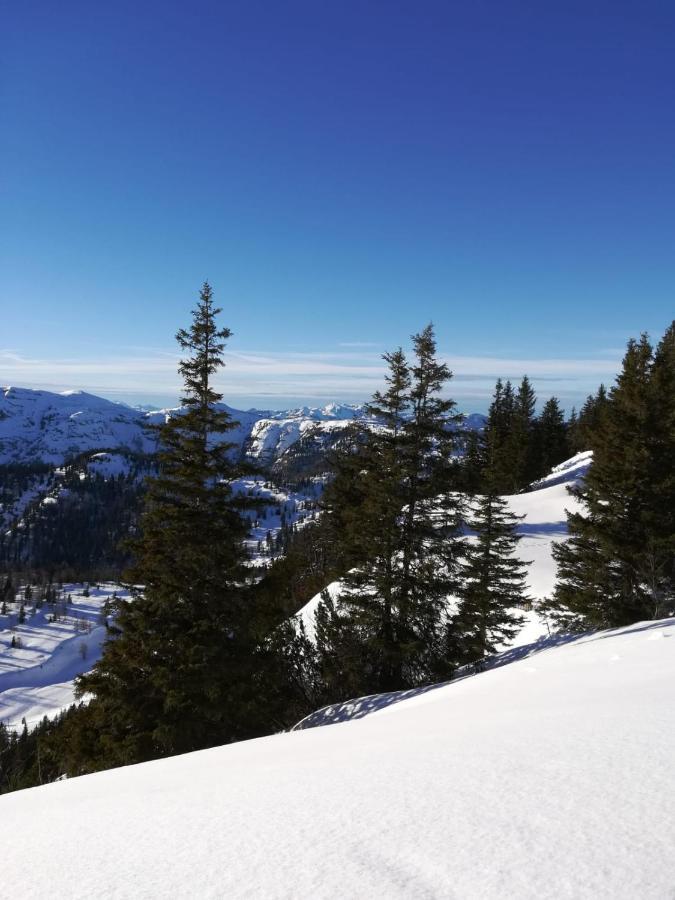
[{"x": 272, "y": 378}]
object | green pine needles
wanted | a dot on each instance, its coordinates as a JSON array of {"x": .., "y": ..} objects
[
  {"x": 177, "y": 676},
  {"x": 618, "y": 566}
]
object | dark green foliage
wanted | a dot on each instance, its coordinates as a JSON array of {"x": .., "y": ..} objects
[
  {"x": 589, "y": 419},
  {"x": 391, "y": 511},
  {"x": 183, "y": 672},
  {"x": 81, "y": 536},
  {"x": 491, "y": 582},
  {"x": 618, "y": 566},
  {"x": 524, "y": 447},
  {"x": 311, "y": 560},
  {"x": 550, "y": 442}
]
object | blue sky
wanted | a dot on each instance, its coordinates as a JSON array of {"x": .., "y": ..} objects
[{"x": 342, "y": 173}]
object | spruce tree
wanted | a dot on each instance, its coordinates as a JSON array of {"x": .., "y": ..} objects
[
  {"x": 617, "y": 566},
  {"x": 491, "y": 579},
  {"x": 177, "y": 676},
  {"x": 589, "y": 419},
  {"x": 393, "y": 510},
  {"x": 550, "y": 438},
  {"x": 520, "y": 447}
]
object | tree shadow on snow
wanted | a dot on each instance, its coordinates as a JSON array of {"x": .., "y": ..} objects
[{"x": 363, "y": 706}]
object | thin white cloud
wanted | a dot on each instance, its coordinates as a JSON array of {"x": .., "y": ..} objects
[{"x": 346, "y": 374}]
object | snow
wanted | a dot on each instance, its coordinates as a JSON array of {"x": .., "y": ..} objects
[
  {"x": 550, "y": 777},
  {"x": 545, "y": 523},
  {"x": 50, "y": 427},
  {"x": 37, "y": 677},
  {"x": 278, "y": 506},
  {"x": 571, "y": 470},
  {"x": 109, "y": 465},
  {"x": 53, "y": 427}
]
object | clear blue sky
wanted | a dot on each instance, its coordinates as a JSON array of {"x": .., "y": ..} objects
[{"x": 342, "y": 173}]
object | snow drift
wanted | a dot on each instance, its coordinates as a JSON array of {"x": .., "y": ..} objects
[{"x": 551, "y": 777}]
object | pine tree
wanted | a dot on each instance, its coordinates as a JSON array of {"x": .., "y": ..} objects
[
  {"x": 617, "y": 566},
  {"x": 588, "y": 421},
  {"x": 392, "y": 509},
  {"x": 491, "y": 580},
  {"x": 497, "y": 436},
  {"x": 551, "y": 446},
  {"x": 178, "y": 675}
]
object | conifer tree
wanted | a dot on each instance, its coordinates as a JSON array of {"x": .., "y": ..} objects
[
  {"x": 588, "y": 420},
  {"x": 617, "y": 566},
  {"x": 178, "y": 674},
  {"x": 551, "y": 446},
  {"x": 498, "y": 436},
  {"x": 392, "y": 509},
  {"x": 491, "y": 579}
]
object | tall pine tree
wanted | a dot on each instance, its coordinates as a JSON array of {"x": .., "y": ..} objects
[
  {"x": 617, "y": 566},
  {"x": 397, "y": 517},
  {"x": 491, "y": 578},
  {"x": 178, "y": 674}
]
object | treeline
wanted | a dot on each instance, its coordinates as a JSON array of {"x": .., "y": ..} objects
[
  {"x": 427, "y": 580},
  {"x": 519, "y": 446}
]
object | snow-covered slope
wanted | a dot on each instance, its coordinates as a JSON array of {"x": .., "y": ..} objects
[
  {"x": 46, "y": 427},
  {"x": 544, "y": 523},
  {"x": 548, "y": 778},
  {"x": 40, "y": 658}
]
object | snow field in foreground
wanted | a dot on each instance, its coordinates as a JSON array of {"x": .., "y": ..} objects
[{"x": 551, "y": 777}]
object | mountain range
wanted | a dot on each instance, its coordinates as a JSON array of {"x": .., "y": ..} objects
[{"x": 43, "y": 426}]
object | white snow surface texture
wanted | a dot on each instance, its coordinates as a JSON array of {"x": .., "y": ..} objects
[{"x": 551, "y": 777}]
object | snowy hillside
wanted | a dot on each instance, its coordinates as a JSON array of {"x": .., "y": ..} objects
[
  {"x": 544, "y": 523},
  {"x": 41, "y": 657},
  {"x": 48, "y": 427},
  {"x": 551, "y": 777},
  {"x": 49, "y": 688}
]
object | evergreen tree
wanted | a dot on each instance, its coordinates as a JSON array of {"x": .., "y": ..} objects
[
  {"x": 178, "y": 675},
  {"x": 498, "y": 435},
  {"x": 617, "y": 566},
  {"x": 491, "y": 580},
  {"x": 588, "y": 421},
  {"x": 551, "y": 446},
  {"x": 391, "y": 507},
  {"x": 520, "y": 446}
]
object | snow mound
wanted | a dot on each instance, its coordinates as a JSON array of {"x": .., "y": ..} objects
[
  {"x": 568, "y": 472},
  {"x": 548, "y": 778}
]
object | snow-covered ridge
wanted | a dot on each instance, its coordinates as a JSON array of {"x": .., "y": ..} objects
[
  {"x": 41, "y": 426},
  {"x": 567, "y": 472},
  {"x": 550, "y": 777}
]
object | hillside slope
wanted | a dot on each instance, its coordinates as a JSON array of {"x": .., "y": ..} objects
[
  {"x": 551, "y": 777},
  {"x": 544, "y": 523}
]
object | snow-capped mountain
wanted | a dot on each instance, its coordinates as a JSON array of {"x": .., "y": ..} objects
[{"x": 41, "y": 426}]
